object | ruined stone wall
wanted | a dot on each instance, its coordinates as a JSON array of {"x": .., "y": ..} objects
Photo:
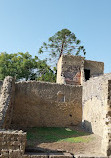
[
  {"x": 96, "y": 68},
  {"x": 106, "y": 141},
  {"x": 60, "y": 78},
  {"x": 6, "y": 102},
  {"x": 1, "y": 83},
  {"x": 12, "y": 143},
  {"x": 46, "y": 104},
  {"x": 95, "y": 97},
  {"x": 69, "y": 69}
]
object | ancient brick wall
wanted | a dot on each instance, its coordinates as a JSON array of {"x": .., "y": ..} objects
[
  {"x": 97, "y": 109},
  {"x": 69, "y": 70},
  {"x": 96, "y": 68},
  {"x": 64, "y": 155},
  {"x": 72, "y": 69},
  {"x": 106, "y": 141},
  {"x": 6, "y": 102},
  {"x": 95, "y": 97},
  {"x": 12, "y": 143},
  {"x": 46, "y": 104}
]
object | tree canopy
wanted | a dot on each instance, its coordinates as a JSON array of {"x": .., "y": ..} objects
[
  {"x": 62, "y": 42},
  {"x": 23, "y": 67}
]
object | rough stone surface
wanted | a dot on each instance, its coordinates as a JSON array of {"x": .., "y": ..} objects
[
  {"x": 39, "y": 104},
  {"x": 49, "y": 156},
  {"x": 96, "y": 68},
  {"x": 31, "y": 103},
  {"x": 94, "y": 100},
  {"x": 106, "y": 141},
  {"x": 6, "y": 102},
  {"x": 1, "y": 83},
  {"x": 70, "y": 69},
  {"x": 12, "y": 143},
  {"x": 97, "y": 109}
]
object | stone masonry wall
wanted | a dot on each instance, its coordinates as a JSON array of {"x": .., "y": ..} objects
[
  {"x": 6, "y": 102},
  {"x": 60, "y": 78},
  {"x": 12, "y": 143},
  {"x": 106, "y": 141},
  {"x": 46, "y": 104},
  {"x": 96, "y": 68},
  {"x": 1, "y": 83},
  {"x": 95, "y": 97},
  {"x": 69, "y": 69},
  {"x": 97, "y": 109}
]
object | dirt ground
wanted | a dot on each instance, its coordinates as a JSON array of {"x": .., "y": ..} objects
[{"x": 91, "y": 148}]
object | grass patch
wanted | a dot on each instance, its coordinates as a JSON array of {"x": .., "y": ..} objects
[
  {"x": 54, "y": 134},
  {"x": 77, "y": 140}
]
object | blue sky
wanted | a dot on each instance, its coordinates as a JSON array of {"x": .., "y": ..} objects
[{"x": 25, "y": 24}]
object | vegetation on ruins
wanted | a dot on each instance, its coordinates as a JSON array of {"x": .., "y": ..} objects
[
  {"x": 37, "y": 135},
  {"x": 23, "y": 66},
  {"x": 62, "y": 42}
]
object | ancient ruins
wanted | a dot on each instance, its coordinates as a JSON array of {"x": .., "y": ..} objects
[{"x": 82, "y": 94}]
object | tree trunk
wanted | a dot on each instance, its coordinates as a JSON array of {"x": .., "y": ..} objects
[{"x": 61, "y": 50}]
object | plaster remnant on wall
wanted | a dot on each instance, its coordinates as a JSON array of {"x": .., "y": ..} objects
[{"x": 70, "y": 69}]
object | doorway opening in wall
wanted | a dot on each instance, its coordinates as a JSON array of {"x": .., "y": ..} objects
[{"x": 87, "y": 74}]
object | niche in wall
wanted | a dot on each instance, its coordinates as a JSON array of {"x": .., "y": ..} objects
[
  {"x": 60, "y": 97},
  {"x": 87, "y": 74}
]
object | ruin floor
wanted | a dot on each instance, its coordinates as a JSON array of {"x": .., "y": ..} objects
[{"x": 73, "y": 140}]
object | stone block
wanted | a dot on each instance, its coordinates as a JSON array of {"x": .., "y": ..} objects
[
  {"x": 26, "y": 156},
  {"x": 5, "y": 153},
  {"x": 15, "y": 154},
  {"x": 39, "y": 156},
  {"x": 64, "y": 155},
  {"x": 60, "y": 156}
]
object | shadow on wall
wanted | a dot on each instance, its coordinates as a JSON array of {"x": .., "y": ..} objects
[{"x": 87, "y": 126}]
